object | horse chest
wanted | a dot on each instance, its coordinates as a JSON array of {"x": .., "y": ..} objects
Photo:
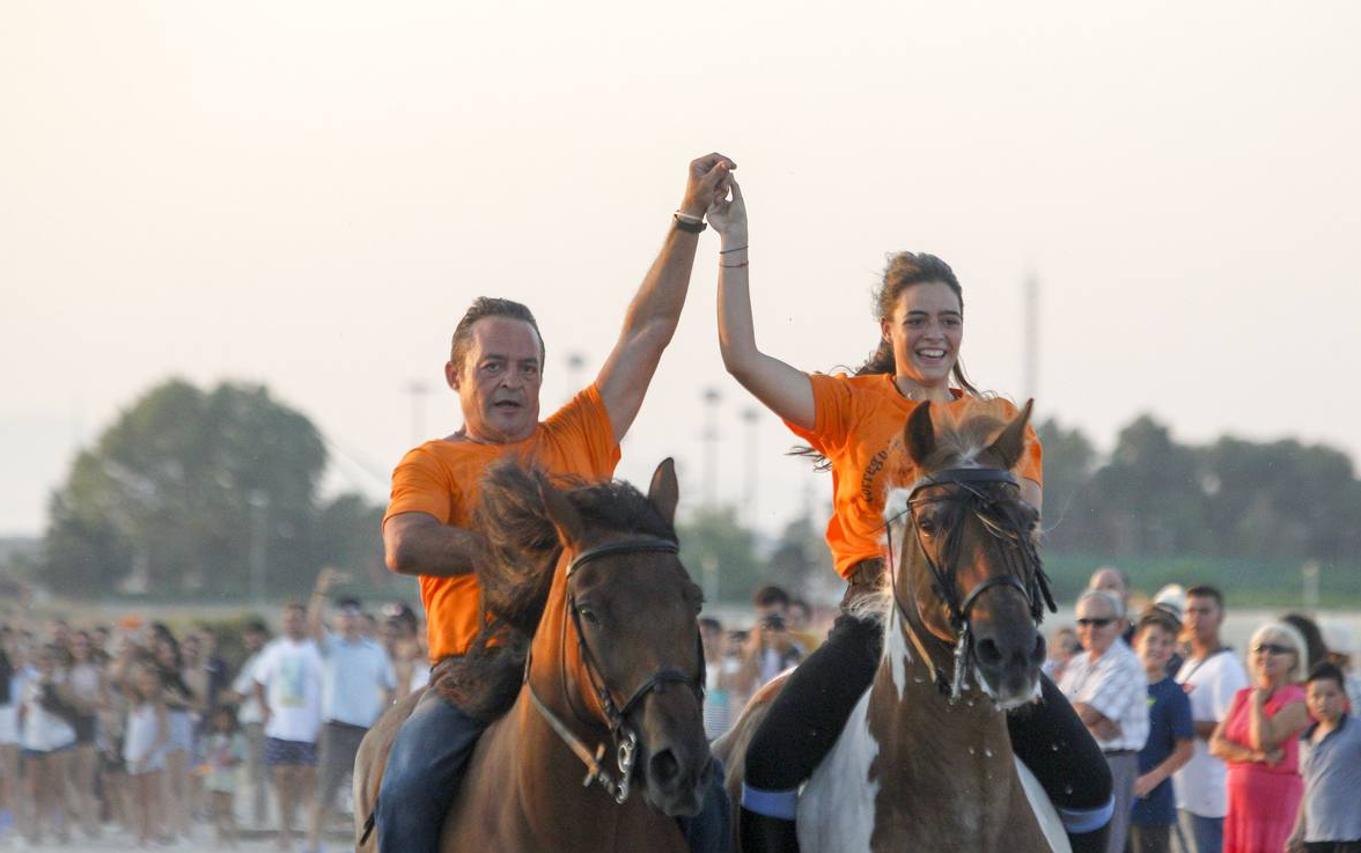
[{"x": 836, "y": 808}]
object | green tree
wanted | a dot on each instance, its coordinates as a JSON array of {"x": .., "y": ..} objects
[
  {"x": 715, "y": 547},
  {"x": 186, "y": 488},
  {"x": 1069, "y": 460}
]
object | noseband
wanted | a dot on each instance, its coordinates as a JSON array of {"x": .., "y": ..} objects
[
  {"x": 1024, "y": 571},
  {"x": 616, "y": 716}
]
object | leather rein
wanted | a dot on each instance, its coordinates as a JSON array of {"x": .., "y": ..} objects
[
  {"x": 616, "y": 716},
  {"x": 1025, "y": 573}
]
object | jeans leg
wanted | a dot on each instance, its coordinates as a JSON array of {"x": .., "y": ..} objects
[
  {"x": 1209, "y": 833},
  {"x": 710, "y": 831},
  {"x": 423, "y": 771}
]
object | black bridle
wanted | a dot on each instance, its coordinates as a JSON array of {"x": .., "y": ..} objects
[
  {"x": 1025, "y": 572},
  {"x": 616, "y": 715}
]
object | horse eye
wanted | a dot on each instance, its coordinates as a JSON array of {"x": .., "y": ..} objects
[
  {"x": 926, "y": 524},
  {"x": 588, "y": 615}
]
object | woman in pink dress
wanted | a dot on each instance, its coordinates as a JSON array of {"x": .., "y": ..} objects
[{"x": 1259, "y": 740}]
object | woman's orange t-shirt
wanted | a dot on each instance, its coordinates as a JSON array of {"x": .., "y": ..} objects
[
  {"x": 858, "y": 426},
  {"x": 442, "y": 478}
]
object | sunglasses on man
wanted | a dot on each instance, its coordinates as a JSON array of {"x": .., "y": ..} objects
[{"x": 1096, "y": 623}]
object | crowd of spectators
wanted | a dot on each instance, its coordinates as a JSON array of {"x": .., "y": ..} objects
[{"x": 140, "y": 729}]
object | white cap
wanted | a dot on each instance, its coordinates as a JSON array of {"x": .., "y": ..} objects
[
  {"x": 1338, "y": 638},
  {"x": 1173, "y": 597}
]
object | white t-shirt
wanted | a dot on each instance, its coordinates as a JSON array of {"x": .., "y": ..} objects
[
  {"x": 1210, "y": 684},
  {"x": 249, "y": 712},
  {"x": 43, "y": 731},
  {"x": 291, "y": 675}
]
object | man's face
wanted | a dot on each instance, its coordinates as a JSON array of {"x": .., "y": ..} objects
[
  {"x": 498, "y": 382},
  {"x": 295, "y": 623},
  {"x": 1326, "y": 699},
  {"x": 1155, "y": 646},
  {"x": 1110, "y": 581},
  {"x": 1097, "y": 626},
  {"x": 253, "y": 640},
  {"x": 1202, "y": 618}
]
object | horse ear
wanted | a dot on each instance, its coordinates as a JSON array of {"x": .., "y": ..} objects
[
  {"x": 919, "y": 436},
  {"x": 565, "y": 518},
  {"x": 1011, "y": 443},
  {"x": 664, "y": 493}
]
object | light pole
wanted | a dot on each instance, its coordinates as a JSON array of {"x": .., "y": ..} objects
[
  {"x": 576, "y": 362},
  {"x": 418, "y": 391},
  {"x": 750, "y": 417},
  {"x": 259, "y": 542},
  {"x": 711, "y": 398}
]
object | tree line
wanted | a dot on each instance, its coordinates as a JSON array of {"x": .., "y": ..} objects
[{"x": 217, "y": 492}]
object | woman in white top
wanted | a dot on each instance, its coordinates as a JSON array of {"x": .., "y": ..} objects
[
  {"x": 47, "y": 740},
  {"x": 85, "y": 679},
  {"x": 144, "y": 745}
]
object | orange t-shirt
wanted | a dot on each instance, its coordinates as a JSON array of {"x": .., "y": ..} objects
[
  {"x": 858, "y": 426},
  {"x": 442, "y": 478}
]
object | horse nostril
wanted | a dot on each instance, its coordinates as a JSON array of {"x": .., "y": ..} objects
[
  {"x": 663, "y": 767},
  {"x": 1037, "y": 654},
  {"x": 988, "y": 653}
]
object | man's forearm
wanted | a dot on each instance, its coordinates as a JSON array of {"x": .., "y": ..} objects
[
  {"x": 433, "y": 549},
  {"x": 656, "y": 308}
]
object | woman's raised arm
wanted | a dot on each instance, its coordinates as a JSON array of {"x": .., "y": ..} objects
[{"x": 784, "y": 389}]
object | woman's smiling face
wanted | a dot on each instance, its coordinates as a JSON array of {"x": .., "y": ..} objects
[{"x": 926, "y": 329}]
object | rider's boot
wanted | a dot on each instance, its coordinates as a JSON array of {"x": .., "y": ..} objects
[{"x": 760, "y": 833}]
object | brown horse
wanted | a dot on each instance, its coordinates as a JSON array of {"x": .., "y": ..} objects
[
  {"x": 925, "y": 760},
  {"x": 615, "y": 659}
]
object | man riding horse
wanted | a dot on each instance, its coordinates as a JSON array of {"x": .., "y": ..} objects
[{"x": 496, "y": 366}]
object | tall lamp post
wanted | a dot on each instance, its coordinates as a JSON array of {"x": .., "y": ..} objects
[
  {"x": 750, "y": 417},
  {"x": 418, "y": 391},
  {"x": 259, "y": 542},
  {"x": 711, "y": 397}
]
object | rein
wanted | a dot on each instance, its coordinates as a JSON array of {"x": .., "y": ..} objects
[
  {"x": 1024, "y": 574},
  {"x": 625, "y": 739}
]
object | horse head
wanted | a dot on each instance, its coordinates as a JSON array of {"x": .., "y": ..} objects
[
  {"x": 621, "y": 613},
  {"x": 969, "y": 566}
]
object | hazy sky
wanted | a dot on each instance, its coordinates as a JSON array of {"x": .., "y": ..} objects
[{"x": 308, "y": 194}]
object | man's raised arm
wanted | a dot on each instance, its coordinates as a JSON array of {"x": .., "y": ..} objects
[
  {"x": 655, "y": 311},
  {"x": 416, "y": 543}
]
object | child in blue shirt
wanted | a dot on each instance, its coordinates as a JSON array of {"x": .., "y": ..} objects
[{"x": 1171, "y": 735}]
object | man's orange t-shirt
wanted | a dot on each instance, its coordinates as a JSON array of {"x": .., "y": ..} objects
[
  {"x": 442, "y": 478},
  {"x": 858, "y": 426}
]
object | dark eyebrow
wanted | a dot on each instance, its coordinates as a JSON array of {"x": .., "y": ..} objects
[{"x": 919, "y": 313}]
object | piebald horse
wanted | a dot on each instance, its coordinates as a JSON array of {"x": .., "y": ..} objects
[
  {"x": 615, "y": 659},
  {"x": 925, "y": 760}
]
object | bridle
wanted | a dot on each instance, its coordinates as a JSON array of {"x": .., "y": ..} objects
[
  {"x": 1025, "y": 573},
  {"x": 616, "y": 715}
]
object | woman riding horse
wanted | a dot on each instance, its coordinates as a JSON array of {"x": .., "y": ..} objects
[{"x": 850, "y": 423}]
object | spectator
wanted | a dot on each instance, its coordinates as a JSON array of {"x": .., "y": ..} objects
[
  {"x": 288, "y": 687},
  {"x": 800, "y": 619},
  {"x": 1171, "y": 735},
  {"x": 1172, "y": 599},
  {"x": 85, "y": 680},
  {"x": 1210, "y": 677},
  {"x": 1116, "y": 582},
  {"x": 10, "y": 691},
  {"x": 251, "y": 718},
  {"x": 224, "y": 751},
  {"x": 770, "y": 648},
  {"x": 716, "y": 708},
  {"x": 1315, "y": 649},
  {"x": 1330, "y": 761},
  {"x": 401, "y": 640},
  {"x": 180, "y": 703},
  {"x": 1259, "y": 741},
  {"x": 1341, "y": 646},
  {"x": 357, "y": 680},
  {"x": 1063, "y": 645},
  {"x": 47, "y": 738},
  {"x": 1108, "y": 690},
  {"x": 148, "y": 733}
]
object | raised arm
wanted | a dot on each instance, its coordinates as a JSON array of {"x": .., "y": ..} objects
[
  {"x": 785, "y": 390},
  {"x": 655, "y": 310},
  {"x": 316, "y": 605},
  {"x": 416, "y": 543},
  {"x": 1268, "y": 733}
]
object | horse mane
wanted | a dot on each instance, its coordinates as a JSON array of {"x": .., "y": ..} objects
[{"x": 517, "y": 572}]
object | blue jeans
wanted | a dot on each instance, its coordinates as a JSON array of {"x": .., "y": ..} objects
[
  {"x": 424, "y": 768},
  {"x": 426, "y": 765},
  {"x": 1208, "y": 833}
]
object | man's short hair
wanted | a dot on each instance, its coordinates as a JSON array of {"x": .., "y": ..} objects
[
  {"x": 1328, "y": 672},
  {"x": 768, "y": 595},
  {"x": 1205, "y": 591},
  {"x": 489, "y": 306},
  {"x": 1111, "y": 600}
]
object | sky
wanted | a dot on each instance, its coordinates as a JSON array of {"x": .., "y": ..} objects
[{"x": 309, "y": 194}]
